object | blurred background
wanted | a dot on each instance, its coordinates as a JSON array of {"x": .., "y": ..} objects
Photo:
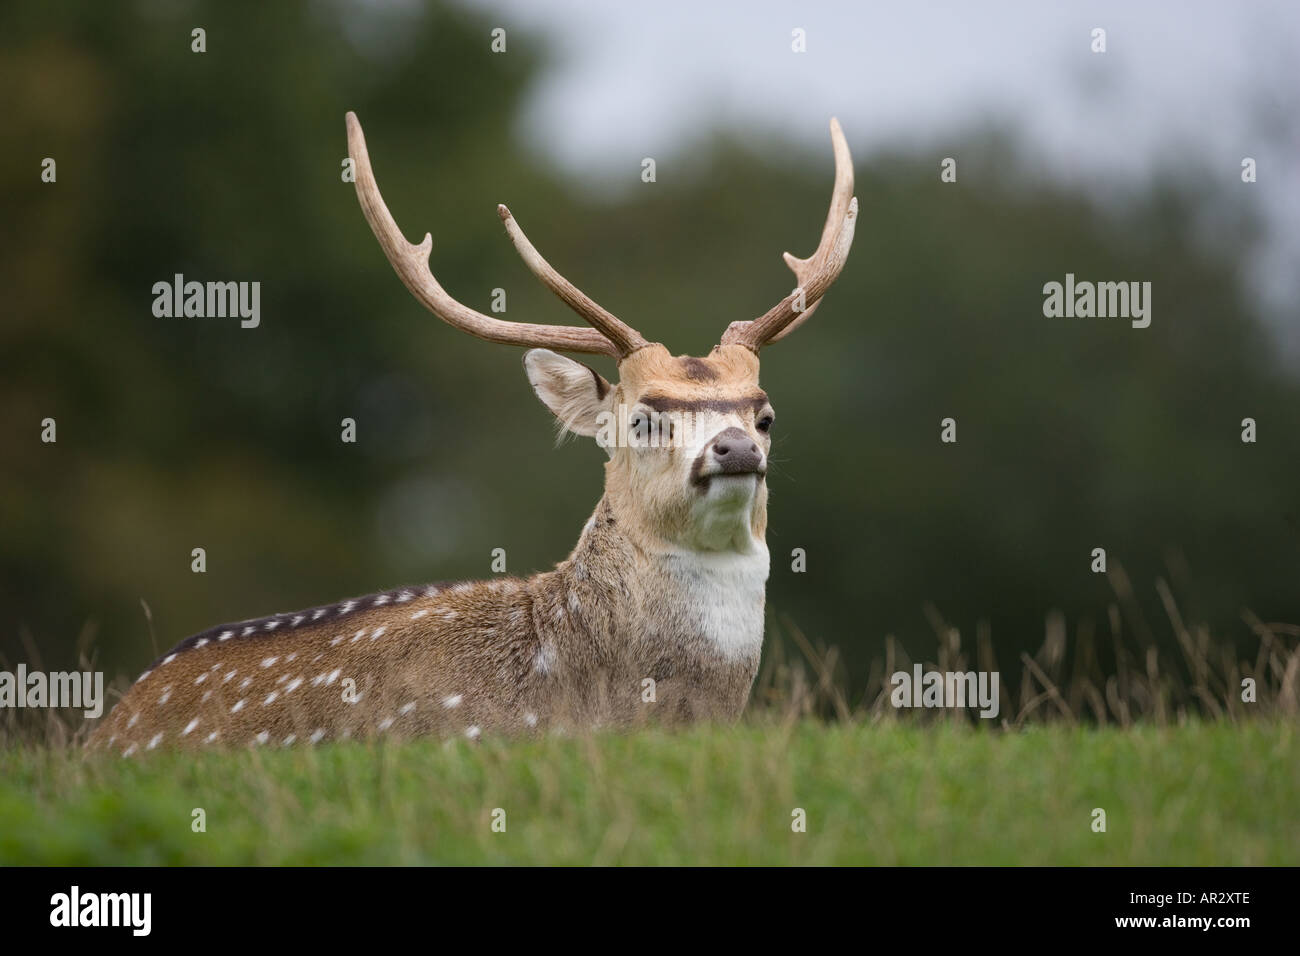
[{"x": 1073, "y": 434}]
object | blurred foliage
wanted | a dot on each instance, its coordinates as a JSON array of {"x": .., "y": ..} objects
[{"x": 183, "y": 433}]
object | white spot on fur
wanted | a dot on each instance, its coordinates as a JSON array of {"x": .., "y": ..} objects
[
  {"x": 293, "y": 685},
  {"x": 201, "y": 642},
  {"x": 452, "y": 701},
  {"x": 268, "y": 661},
  {"x": 404, "y": 597},
  {"x": 190, "y": 726},
  {"x": 573, "y": 601},
  {"x": 206, "y": 695},
  {"x": 431, "y": 592},
  {"x": 290, "y": 739},
  {"x": 169, "y": 658},
  {"x": 334, "y": 675},
  {"x": 229, "y": 677},
  {"x": 270, "y": 698},
  {"x": 239, "y": 705},
  {"x": 293, "y": 656},
  {"x": 282, "y": 678},
  {"x": 447, "y": 614},
  {"x": 272, "y": 625},
  {"x": 406, "y": 708},
  {"x": 530, "y": 719},
  {"x": 316, "y": 735},
  {"x": 143, "y": 676},
  {"x": 128, "y": 751},
  {"x": 247, "y": 631},
  {"x": 166, "y": 695},
  {"x": 212, "y": 736},
  {"x": 225, "y": 635},
  {"x": 385, "y": 724},
  {"x": 382, "y": 599},
  {"x": 463, "y": 588},
  {"x": 419, "y": 614},
  {"x": 378, "y": 632},
  {"x": 154, "y": 741},
  {"x": 200, "y": 679},
  {"x": 243, "y": 684},
  {"x": 357, "y": 636},
  {"x": 298, "y": 619},
  {"x": 132, "y": 722},
  {"x": 472, "y": 732},
  {"x": 544, "y": 660},
  {"x": 336, "y": 640},
  {"x": 320, "y": 613},
  {"x": 263, "y": 737},
  {"x": 347, "y": 606}
]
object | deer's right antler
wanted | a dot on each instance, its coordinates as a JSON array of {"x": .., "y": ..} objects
[{"x": 608, "y": 335}]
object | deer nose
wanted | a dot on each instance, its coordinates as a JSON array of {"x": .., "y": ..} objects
[{"x": 736, "y": 453}]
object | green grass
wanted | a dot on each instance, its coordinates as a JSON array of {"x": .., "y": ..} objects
[{"x": 1202, "y": 793}]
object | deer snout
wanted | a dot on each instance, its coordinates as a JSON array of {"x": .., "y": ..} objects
[{"x": 732, "y": 452}]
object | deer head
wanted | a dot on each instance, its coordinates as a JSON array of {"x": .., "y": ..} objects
[{"x": 688, "y": 438}]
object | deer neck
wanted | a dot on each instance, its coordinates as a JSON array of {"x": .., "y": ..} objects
[{"x": 709, "y": 599}]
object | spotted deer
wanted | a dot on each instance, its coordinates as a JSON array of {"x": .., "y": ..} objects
[{"x": 657, "y": 614}]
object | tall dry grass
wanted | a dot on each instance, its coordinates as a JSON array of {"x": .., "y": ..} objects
[{"x": 1116, "y": 678}]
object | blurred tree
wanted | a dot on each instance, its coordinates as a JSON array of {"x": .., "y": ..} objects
[{"x": 225, "y": 165}]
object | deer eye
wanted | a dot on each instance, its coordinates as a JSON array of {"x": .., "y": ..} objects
[
  {"x": 641, "y": 429},
  {"x": 765, "y": 423}
]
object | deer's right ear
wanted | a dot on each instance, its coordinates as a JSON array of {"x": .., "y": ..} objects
[{"x": 576, "y": 394}]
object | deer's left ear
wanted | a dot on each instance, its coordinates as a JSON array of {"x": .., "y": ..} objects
[{"x": 574, "y": 393}]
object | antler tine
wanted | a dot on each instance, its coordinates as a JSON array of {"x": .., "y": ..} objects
[
  {"x": 626, "y": 338},
  {"x": 816, "y": 273},
  {"x": 412, "y": 266}
]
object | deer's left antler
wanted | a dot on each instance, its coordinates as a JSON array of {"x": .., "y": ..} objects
[{"x": 814, "y": 274}]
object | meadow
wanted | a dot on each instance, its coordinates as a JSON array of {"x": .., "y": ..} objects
[{"x": 1198, "y": 794}]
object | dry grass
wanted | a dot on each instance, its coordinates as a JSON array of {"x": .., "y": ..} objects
[{"x": 1064, "y": 682}]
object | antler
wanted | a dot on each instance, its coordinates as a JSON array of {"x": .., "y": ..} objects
[
  {"x": 609, "y": 336},
  {"x": 626, "y": 338},
  {"x": 814, "y": 274}
]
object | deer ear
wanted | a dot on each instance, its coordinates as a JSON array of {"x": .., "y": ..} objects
[{"x": 575, "y": 393}]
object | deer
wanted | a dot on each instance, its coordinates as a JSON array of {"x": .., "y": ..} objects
[{"x": 657, "y": 614}]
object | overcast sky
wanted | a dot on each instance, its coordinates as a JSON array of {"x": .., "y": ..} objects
[{"x": 1182, "y": 82}]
